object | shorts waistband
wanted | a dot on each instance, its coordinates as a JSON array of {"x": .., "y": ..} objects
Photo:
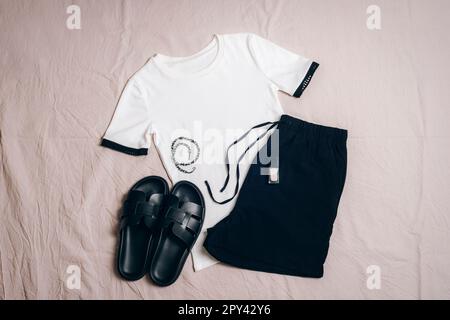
[{"x": 316, "y": 129}]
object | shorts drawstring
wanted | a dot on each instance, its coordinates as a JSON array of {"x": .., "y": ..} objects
[{"x": 227, "y": 160}]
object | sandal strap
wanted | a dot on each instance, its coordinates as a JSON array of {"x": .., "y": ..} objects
[
  {"x": 189, "y": 207},
  {"x": 185, "y": 222},
  {"x": 136, "y": 211},
  {"x": 182, "y": 234}
]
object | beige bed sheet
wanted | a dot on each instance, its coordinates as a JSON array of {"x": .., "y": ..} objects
[{"x": 61, "y": 192}]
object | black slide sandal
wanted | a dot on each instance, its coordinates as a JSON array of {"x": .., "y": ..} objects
[
  {"x": 139, "y": 222},
  {"x": 183, "y": 221}
]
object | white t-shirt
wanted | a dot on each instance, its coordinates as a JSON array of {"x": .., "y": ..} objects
[{"x": 196, "y": 106}]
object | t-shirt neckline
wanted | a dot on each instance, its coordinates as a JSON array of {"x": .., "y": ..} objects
[{"x": 160, "y": 60}]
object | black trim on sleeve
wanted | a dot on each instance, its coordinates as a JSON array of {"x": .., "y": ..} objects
[
  {"x": 118, "y": 147},
  {"x": 306, "y": 80}
]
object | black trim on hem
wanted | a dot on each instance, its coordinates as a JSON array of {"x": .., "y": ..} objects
[
  {"x": 118, "y": 147},
  {"x": 306, "y": 80}
]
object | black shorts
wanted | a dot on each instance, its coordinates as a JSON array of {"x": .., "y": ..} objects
[{"x": 286, "y": 227}]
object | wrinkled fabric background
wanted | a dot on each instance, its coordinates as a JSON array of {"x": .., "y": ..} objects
[{"x": 61, "y": 192}]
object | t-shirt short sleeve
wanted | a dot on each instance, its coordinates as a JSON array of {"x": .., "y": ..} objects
[
  {"x": 288, "y": 71},
  {"x": 130, "y": 125}
]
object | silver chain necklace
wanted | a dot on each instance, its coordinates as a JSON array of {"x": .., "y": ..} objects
[{"x": 193, "y": 151}]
